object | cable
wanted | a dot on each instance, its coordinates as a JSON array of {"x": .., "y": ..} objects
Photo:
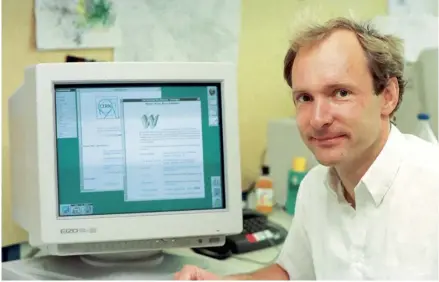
[
  {"x": 267, "y": 263},
  {"x": 32, "y": 253},
  {"x": 272, "y": 243},
  {"x": 262, "y": 158}
]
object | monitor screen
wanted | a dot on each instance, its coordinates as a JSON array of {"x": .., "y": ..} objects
[{"x": 138, "y": 148}]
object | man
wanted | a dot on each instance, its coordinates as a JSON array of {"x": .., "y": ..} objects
[{"x": 370, "y": 210}]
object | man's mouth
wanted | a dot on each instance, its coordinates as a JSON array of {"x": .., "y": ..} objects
[{"x": 328, "y": 140}]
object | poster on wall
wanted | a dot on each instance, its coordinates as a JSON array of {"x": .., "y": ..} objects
[
  {"x": 76, "y": 24},
  {"x": 407, "y": 28},
  {"x": 412, "y": 7},
  {"x": 177, "y": 30}
]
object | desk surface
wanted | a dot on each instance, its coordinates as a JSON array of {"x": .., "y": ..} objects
[
  {"x": 66, "y": 268},
  {"x": 246, "y": 262}
]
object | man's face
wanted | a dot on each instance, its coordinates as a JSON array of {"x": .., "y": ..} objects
[{"x": 337, "y": 112}]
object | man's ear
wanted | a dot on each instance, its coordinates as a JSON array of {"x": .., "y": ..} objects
[{"x": 390, "y": 96}]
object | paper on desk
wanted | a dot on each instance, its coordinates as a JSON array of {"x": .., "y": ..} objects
[
  {"x": 418, "y": 32},
  {"x": 72, "y": 24},
  {"x": 175, "y": 30}
]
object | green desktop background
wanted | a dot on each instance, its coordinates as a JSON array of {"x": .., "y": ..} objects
[{"x": 112, "y": 202}]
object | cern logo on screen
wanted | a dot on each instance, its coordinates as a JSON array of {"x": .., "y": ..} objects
[{"x": 107, "y": 108}]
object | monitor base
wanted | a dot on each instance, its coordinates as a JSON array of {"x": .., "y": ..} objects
[
  {"x": 74, "y": 268},
  {"x": 147, "y": 259}
]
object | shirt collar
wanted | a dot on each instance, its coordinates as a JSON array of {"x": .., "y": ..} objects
[{"x": 381, "y": 174}]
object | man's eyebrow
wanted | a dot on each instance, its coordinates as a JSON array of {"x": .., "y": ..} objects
[
  {"x": 326, "y": 88},
  {"x": 299, "y": 91},
  {"x": 338, "y": 85}
]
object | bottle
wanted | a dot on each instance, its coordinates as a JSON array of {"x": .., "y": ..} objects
[
  {"x": 423, "y": 129},
  {"x": 264, "y": 192},
  {"x": 295, "y": 177}
]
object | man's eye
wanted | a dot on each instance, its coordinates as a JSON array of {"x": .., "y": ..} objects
[
  {"x": 303, "y": 98},
  {"x": 342, "y": 93}
]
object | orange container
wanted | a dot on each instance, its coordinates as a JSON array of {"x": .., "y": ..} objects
[{"x": 264, "y": 192}]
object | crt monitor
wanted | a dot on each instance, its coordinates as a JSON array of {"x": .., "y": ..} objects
[{"x": 123, "y": 157}]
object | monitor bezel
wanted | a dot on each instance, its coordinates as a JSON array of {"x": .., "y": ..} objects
[{"x": 108, "y": 228}]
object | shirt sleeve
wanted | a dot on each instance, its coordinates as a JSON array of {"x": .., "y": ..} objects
[{"x": 295, "y": 257}]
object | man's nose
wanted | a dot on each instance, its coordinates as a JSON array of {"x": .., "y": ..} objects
[{"x": 321, "y": 114}]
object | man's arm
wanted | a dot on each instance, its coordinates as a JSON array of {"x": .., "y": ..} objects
[
  {"x": 294, "y": 262},
  {"x": 295, "y": 259},
  {"x": 272, "y": 272}
]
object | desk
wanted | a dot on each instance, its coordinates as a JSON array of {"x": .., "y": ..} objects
[{"x": 71, "y": 268}]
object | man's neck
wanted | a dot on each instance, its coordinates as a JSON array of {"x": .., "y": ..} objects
[{"x": 351, "y": 174}]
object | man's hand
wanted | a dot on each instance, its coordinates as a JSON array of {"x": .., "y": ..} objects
[
  {"x": 190, "y": 272},
  {"x": 272, "y": 272}
]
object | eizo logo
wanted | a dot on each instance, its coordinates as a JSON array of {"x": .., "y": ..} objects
[
  {"x": 71, "y": 230},
  {"x": 77, "y": 230}
]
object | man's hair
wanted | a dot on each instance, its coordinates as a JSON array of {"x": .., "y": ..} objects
[{"x": 384, "y": 53}]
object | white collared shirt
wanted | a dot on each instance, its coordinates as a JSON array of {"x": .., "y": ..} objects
[{"x": 392, "y": 233}]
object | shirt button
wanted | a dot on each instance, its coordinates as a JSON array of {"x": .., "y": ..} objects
[{"x": 357, "y": 256}]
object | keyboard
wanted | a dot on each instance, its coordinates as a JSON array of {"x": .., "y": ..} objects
[{"x": 258, "y": 233}]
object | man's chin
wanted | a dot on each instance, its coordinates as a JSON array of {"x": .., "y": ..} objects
[
  {"x": 328, "y": 159},
  {"x": 328, "y": 163}
]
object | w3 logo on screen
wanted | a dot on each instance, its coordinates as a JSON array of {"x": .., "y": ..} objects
[{"x": 150, "y": 121}]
